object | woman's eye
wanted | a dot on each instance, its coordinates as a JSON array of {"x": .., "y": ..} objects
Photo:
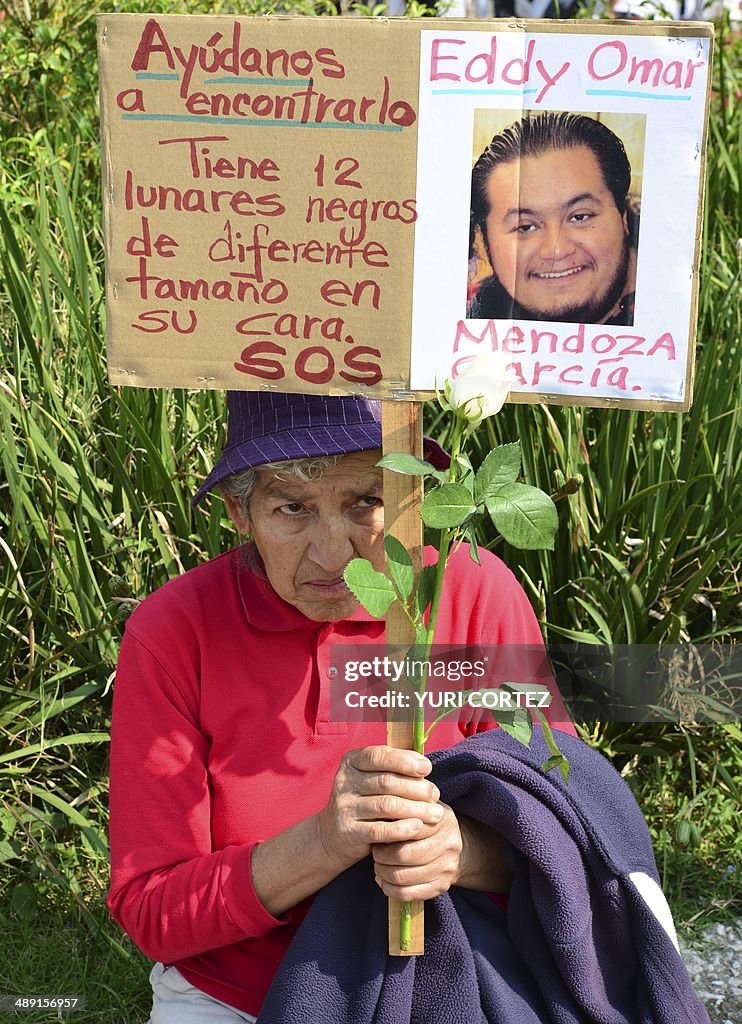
[
  {"x": 369, "y": 501},
  {"x": 581, "y": 218},
  {"x": 292, "y": 509},
  {"x": 525, "y": 229}
]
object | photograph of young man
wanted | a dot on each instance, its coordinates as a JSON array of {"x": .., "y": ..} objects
[{"x": 550, "y": 203}]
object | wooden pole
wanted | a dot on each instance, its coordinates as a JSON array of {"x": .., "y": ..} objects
[{"x": 401, "y": 424}]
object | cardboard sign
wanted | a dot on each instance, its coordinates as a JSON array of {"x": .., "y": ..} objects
[{"x": 287, "y": 205}]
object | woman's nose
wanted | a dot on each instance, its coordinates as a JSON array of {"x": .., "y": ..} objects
[{"x": 330, "y": 547}]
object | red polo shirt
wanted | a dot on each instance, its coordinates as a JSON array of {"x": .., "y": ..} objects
[{"x": 222, "y": 737}]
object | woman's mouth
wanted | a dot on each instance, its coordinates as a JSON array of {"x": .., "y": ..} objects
[{"x": 328, "y": 588}]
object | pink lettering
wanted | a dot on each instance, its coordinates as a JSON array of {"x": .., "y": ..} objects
[
  {"x": 665, "y": 342},
  {"x": 436, "y": 57},
  {"x": 490, "y": 61},
  {"x": 613, "y": 44},
  {"x": 564, "y": 379},
  {"x": 550, "y": 80},
  {"x": 521, "y": 67}
]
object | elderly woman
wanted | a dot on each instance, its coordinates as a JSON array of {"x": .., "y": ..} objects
[{"x": 235, "y": 796}]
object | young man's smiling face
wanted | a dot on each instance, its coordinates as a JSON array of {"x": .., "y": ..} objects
[
  {"x": 555, "y": 238},
  {"x": 306, "y": 532}
]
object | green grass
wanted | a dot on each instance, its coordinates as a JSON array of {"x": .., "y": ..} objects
[
  {"x": 94, "y": 512},
  {"x": 63, "y": 954}
]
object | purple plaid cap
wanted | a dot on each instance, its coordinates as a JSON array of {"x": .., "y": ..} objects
[{"x": 268, "y": 426}]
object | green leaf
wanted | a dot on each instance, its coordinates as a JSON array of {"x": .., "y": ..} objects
[
  {"x": 9, "y": 850},
  {"x": 469, "y": 482},
  {"x": 446, "y": 506},
  {"x": 399, "y": 564},
  {"x": 425, "y": 586},
  {"x": 371, "y": 588},
  {"x": 92, "y": 836},
  {"x": 471, "y": 536},
  {"x": 23, "y": 901},
  {"x": 409, "y": 465},
  {"x": 557, "y": 761},
  {"x": 516, "y": 724},
  {"x": 524, "y": 515},
  {"x": 502, "y": 466},
  {"x": 7, "y": 823},
  {"x": 465, "y": 474},
  {"x": 32, "y": 749},
  {"x": 463, "y": 460}
]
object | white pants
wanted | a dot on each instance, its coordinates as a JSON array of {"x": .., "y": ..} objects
[{"x": 176, "y": 1001}]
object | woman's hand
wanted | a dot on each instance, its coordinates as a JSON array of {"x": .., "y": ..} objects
[
  {"x": 379, "y": 796},
  {"x": 456, "y": 851},
  {"x": 381, "y": 803},
  {"x": 425, "y": 866}
]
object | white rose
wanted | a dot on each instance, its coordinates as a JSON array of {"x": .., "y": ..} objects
[{"x": 480, "y": 387}]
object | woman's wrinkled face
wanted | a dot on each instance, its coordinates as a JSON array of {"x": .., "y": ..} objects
[{"x": 307, "y": 532}]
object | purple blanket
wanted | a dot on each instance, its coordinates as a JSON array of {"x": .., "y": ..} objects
[{"x": 582, "y": 941}]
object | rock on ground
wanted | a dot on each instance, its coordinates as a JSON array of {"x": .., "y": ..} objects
[{"x": 713, "y": 959}]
